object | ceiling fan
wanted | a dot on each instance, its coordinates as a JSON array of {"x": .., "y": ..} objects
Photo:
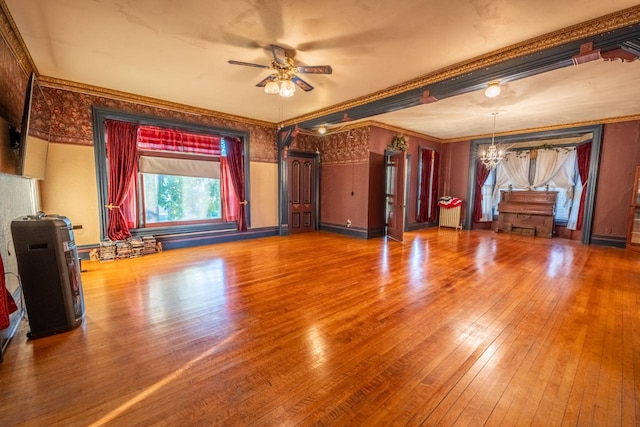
[{"x": 284, "y": 79}]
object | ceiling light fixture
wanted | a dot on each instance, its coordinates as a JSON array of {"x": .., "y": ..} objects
[
  {"x": 272, "y": 87},
  {"x": 494, "y": 154},
  {"x": 282, "y": 80},
  {"x": 322, "y": 130},
  {"x": 287, "y": 88},
  {"x": 492, "y": 90}
]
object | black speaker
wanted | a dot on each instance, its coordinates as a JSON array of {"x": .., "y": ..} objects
[{"x": 50, "y": 273}]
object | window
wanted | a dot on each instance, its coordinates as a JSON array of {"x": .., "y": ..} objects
[
  {"x": 179, "y": 180},
  {"x": 177, "y": 188},
  {"x": 175, "y": 199},
  {"x": 487, "y": 197},
  {"x": 181, "y": 183},
  {"x": 552, "y": 169}
]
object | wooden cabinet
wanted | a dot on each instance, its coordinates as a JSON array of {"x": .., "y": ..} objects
[
  {"x": 633, "y": 236},
  {"x": 527, "y": 212}
]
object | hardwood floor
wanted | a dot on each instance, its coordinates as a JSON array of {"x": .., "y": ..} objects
[{"x": 447, "y": 328}]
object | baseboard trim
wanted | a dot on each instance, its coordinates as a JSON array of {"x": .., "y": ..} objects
[
  {"x": 612, "y": 241},
  {"x": 421, "y": 226},
  {"x": 196, "y": 239},
  {"x": 347, "y": 231}
]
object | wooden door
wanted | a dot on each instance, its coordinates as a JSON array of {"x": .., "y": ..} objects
[
  {"x": 302, "y": 194},
  {"x": 395, "y": 195}
]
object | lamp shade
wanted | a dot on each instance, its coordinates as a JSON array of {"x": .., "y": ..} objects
[
  {"x": 287, "y": 88},
  {"x": 272, "y": 87}
]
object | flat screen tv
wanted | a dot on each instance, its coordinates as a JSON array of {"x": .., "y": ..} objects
[{"x": 31, "y": 147}]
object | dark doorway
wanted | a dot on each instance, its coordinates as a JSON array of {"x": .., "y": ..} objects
[{"x": 302, "y": 193}]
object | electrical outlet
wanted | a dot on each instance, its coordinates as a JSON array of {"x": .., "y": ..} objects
[{"x": 348, "y": 223}]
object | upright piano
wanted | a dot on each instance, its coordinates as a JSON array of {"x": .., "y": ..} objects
[{"x": 527, "y": 212}]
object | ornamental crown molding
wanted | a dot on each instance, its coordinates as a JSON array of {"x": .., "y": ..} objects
[{"x": 9, "y": 32}]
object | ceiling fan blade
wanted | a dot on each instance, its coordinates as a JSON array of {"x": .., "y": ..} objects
[
  {"x": 247, "y": 64},
  {"x": 315, "y": 69},
  {"x": 279, "y": 54},
  {"x": 302, "y": 84},
  {"x": 264, "y": 82}
]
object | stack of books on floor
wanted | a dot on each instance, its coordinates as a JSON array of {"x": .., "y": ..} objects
[
  {"x": 149, "y": 245},
  {"x": 107, "y": 251},
  {"x": 133, "y": 247},
  {"x": 137, "y": 247},
  {"x": 123, "y": 249}
]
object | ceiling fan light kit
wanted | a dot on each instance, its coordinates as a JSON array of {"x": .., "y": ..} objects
[
  {"x": 272, "y": 87},
  {"x": 284, "y": 79},
  {"x": 287, "y": 88}
]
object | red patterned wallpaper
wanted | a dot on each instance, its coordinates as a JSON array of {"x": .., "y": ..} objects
[
  {"x": 72, "y": 121},
  {"x": 13, "y": 85},
  {"x": 351, "y": 146}
]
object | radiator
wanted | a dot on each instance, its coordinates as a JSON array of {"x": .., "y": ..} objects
[{"x": 450, "y": 217}]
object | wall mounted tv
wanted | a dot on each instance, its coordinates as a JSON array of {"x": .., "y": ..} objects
[{"x": 25, "y": 150}]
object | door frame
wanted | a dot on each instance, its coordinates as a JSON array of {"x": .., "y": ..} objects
[
  {"x": 405, "y": 191},
  {"x": 283, "y": 193}
]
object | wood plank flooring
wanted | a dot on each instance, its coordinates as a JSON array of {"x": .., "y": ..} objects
[{"x": 448, "y": 328}]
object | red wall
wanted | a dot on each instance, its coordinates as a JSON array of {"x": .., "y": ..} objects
[
  {"x": 344, "y": 189},
  {"x": 619, "y": 157},
  {"x": 454, "y": 171},
  {"x": 377, "y": 199}
]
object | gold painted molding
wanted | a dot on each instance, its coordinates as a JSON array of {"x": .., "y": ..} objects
[
  {"x": 9, "y": 32},
  {"x": 548, "y": 128},
  {"x": 586, "y": 29}
]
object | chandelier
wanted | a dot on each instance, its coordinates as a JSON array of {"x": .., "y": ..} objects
[{"x": 494, "y": 154}]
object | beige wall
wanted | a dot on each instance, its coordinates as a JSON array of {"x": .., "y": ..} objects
[
  {"x": 264, "y": 194},
  {"x": 70, "y": 189}
]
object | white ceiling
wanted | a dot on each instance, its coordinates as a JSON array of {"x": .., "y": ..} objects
[{"x": 178, "y": 51}]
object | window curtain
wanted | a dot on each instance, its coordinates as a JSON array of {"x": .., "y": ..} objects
[
  {"x": 232, "y": 170},
  {"x": 549, "y": 163},
  {"x": 428, "y": 186},
  {"x": 129, "y": 206},
  {"x": 564, "y": 178},
  {"x": 513, "y": 169},
  {"x": 482, "y": 173},
  {"x": 165, "y": 139},
  {"x": 122, "y": 167},
  {"x": 584, "y": 158},
  {"x": 435, "y": 182},
  {"x": 572, "y": 223}
]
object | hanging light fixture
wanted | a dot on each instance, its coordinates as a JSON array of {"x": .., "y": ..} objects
[
  {"x": 272, "y": 87},
  {"x": 492, "y": 90},
  {"x": 494, "y": 154},
  {"x": 287, "y": 88}
]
